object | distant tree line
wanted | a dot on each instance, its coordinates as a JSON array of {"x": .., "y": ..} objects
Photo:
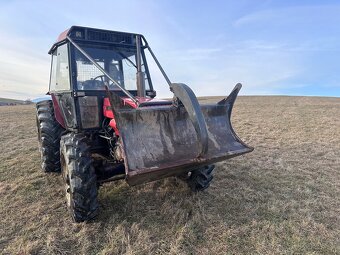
[{"x": 5, "y": 102}]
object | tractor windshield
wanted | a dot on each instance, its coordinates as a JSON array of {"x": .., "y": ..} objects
[{"x": 119, "y": 63}]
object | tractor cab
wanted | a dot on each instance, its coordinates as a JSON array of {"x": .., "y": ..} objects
[
  {"x": 84, "y": 62},
  {"x": 120, "y": 54}
]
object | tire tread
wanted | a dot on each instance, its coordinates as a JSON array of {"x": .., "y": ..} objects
[
  {"x": 49, "y": 139},
  {"x": 83, "y": 179},
  {"x": 201, "y": 178}
]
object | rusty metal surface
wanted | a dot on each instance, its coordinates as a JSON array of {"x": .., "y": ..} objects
[
  {"x": 162, "y": 141},
  {"x": 184, "y": 95}
]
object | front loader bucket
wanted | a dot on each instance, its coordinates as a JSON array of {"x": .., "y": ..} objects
[{"x": 162, "y": 141}]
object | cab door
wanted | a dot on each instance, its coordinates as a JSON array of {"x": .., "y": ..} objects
[{"x": 61, "y": 89}]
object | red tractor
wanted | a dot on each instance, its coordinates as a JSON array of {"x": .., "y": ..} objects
[{"x": 103, "y": 122}]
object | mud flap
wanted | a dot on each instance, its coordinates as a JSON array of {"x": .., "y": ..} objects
[{"x": 161, "y": 141}]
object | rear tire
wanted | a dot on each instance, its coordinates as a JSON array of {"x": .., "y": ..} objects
[
  {"x": 49, "y": 133},
  {"x": 201, "y": 178},
  {"x": 79, "y": 176}
]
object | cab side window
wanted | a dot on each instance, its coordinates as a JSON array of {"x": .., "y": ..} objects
[
  {"x": 60, "y": 75},
  {"x": 53, "y": 80}
]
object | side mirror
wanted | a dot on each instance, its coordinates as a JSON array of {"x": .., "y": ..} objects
[{"x": 151, "y": 94}]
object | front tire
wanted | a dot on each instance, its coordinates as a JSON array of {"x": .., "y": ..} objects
[
  {"x": 49, "y": 133},
  {"x": 79, "y": 176},
  {"x": 201, "y": 178}
]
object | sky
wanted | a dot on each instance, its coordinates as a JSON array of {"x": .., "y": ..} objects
[{"x": 273, "y": 47}]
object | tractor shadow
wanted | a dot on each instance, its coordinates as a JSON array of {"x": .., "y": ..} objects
[
  {"x": 234, "y": 198},
  {"x": 253, "y": 198},
  {"x": 154, "y": 201}
]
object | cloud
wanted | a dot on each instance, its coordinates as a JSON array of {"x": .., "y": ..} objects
[
  {"x": 23, "y": 68},
  {"x": 263, "y": 67},
  {"x": 298, "y": 15},
  {"x": 28, "y": 29},
  {"x": 279, "y": 46}
]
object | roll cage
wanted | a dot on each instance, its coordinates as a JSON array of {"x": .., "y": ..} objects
[{"x": 78, "y": 39}]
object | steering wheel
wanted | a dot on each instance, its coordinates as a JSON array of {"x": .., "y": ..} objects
[
  {"x": 97, "y": 82},
  {"x": 101, "y": 83},
  {"x": 101, "y": 78}
]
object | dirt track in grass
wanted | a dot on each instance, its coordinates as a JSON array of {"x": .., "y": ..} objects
[{"x": 283, "y": 198}]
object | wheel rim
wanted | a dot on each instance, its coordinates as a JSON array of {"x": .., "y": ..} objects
[
  {"x": 39, "y": 132},
  {"x": 68, "y": 194},
  {"x": 66, "y": 177},
  {"x": 39, "y": 137}
]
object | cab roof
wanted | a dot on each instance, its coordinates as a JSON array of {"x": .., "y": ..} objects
[{"x": 87, "y": 34}]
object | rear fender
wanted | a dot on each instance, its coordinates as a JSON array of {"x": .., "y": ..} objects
[
  {"x": 57, "y": 112},
  {"x": 64, "y": 110}
]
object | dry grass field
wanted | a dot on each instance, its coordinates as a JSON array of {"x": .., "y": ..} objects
[{"x": 283, "y": 198}]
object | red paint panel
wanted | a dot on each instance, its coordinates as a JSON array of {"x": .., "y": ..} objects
[
  {"x": 113, "y": 124},
  {"x": 108, "y": 113},
  {"x": 57, "y": 112},
  {"x": 107, "y": 109},
  {"x": 63, "y": 35}
]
